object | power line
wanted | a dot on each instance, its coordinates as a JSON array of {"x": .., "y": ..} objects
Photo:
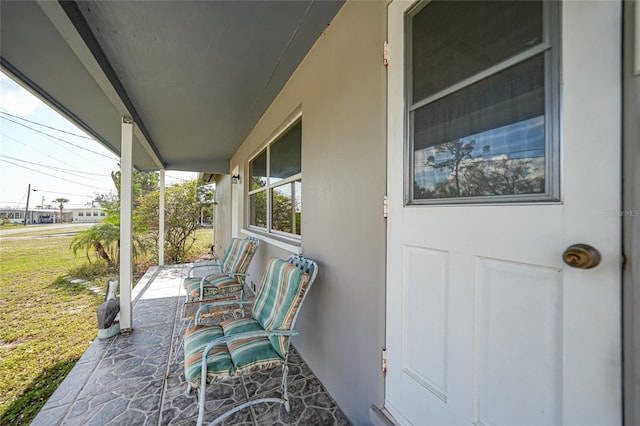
[
  {"x": 37, "y": 150},
  {"x": 57, "y": 177},
  {"x": 178, "y": 178},
  {"x": 63, "y": 193},
  {"x": 57, "y": 138},
  {"x": 48, "y": 127},
  {"x": 38, "y": 206},
  {"x": 61, "y": 169}
]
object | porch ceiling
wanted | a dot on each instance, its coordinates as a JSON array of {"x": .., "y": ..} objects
[{"x": 194, "y": 75}]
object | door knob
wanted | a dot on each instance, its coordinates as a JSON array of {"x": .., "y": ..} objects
[{"x": 582, "y": 256}]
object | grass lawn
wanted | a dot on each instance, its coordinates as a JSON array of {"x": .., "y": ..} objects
[{"x": 47, "y": 323}]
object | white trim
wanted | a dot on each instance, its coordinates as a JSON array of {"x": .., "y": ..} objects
[
  {"x": 126, "y": 224},
  {"x": 263, "y": 236},
  {"x": 281, "y": 182},
  {"x": 237, "y": 194},
  {"x": 286, "y": 124},
  {"x": 161, "y": 220},
  {"x": 293, "y": 120},
  {"x": 636, "y": 39}
]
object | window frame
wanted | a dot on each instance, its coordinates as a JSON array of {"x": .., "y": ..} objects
[
  {"x": 550, "y": 47},
  {"x": 269, "y": 187}
]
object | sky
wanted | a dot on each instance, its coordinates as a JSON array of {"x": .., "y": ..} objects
[{"x": 40, "y": 147}]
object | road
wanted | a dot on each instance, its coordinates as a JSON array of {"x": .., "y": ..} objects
[{"x": 55, "y": 229}]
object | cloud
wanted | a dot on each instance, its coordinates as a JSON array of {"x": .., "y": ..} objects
[{"x": 16, "y": 100}]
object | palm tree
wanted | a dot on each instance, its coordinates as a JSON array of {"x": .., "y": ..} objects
[
  {"x": 61, "y": 202},
  {"x": 103, "y": 238}
]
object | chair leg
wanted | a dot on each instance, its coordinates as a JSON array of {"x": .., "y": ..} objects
[
  {"x": 242, "y": 298},
  {"x": 178, "y": 345},
  {"x": 285, "y": 393},
  {"x": 203, "y": 391},
  {"x": 284, "y": 400}
]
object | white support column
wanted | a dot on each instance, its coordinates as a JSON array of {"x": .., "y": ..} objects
[
  {"x": 126, "y": 224},
  {"x": 161, "y": 220}
]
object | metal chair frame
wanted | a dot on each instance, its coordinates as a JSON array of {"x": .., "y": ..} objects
[{"x": 310, "y": 267}]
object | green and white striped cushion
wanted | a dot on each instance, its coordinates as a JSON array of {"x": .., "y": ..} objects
[
  {"x": 239, "y": 256},
  {"x": 215, "y": 286},
  {"x": 249, "y": 355},
  {"x": 239, "y": 325},
  {"x": 282, "y": 290},
  {"x": 188, "y": 281},
  {"x": 240, "y": 357},
  {"x": 219, "y": 364},
  {"x": 283, "y": 287}
]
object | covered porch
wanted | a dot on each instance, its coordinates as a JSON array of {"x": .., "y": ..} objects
[
  {"x": 220, "y": 87},
  {"x": 132, "y": 378}
]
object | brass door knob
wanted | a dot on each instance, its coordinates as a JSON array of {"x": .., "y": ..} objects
[{"x": 582, "y": 256}]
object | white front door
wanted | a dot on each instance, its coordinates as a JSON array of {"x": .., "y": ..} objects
[{"x": 503, "y": 151}]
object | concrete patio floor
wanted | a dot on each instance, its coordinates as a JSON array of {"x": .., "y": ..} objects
[{"x": 131, "y": 379}]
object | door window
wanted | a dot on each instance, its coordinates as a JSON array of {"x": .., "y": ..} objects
[{"x": 482, "y": 102}]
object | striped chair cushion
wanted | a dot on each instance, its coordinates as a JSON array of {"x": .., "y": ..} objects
[
  {"x": 219, "y": 364},
  {"x": 215, "y": 286},
  {"x": 239, "y": 256},
  {"x": 239, "y": 325},
  {"x": 190, "y": 280},
  {"x": 240, "y": 357},
  {"x": 283, "y": 287},
  {"x": 214, "y": 268},
  {"x": 249, "y": 355}
]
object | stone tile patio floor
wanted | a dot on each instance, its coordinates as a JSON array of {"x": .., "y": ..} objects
[{"x": 131, "y": 379}]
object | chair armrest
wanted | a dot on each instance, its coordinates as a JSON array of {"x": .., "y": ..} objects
[
  {"x": 219, "y": 303},
  {"x": 238, "y": 277},
  {"x": 203, "y": 265},
  {"x": 245, "y": 335},
  {"x": 220, "y": 274}
]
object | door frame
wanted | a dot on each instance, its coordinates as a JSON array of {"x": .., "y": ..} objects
[{"x": 629, "y": 213}]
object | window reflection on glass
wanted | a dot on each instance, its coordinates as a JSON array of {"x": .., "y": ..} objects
[
  {"x": 258, "y": 171},
  {"x": 453, "y": 40},
  {"x": 285, "y": 155},
  {"x": 258, "y": 209},
  {"x": 484, "y": 140},
  {"x": 286, "y": 207},
  {"x": 480, "y": 101},
  {"x": 503, "y": 161}
]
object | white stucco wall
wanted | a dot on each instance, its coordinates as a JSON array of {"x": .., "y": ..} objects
[
  {"x": 89, "y": 214},
  {"x": 340, "y": 88}
]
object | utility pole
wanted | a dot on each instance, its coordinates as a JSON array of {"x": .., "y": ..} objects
[{"x": 26, "y": 209}]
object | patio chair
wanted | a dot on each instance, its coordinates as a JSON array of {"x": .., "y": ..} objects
[
  {"x": 241, "y": 346},
  {"x": 225, "y": 277}
]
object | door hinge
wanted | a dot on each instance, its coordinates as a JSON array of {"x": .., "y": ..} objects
[
  {"x": 385, "y": 53},
  {"x": 384, "y": 360},
  {"x": 385, "y": 207}
]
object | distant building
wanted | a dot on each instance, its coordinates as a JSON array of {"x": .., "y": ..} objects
[
  {"x": 34, "y": 216},
  {"x": 52, "y": 215},
  {"x": 88, "y": 214}
]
